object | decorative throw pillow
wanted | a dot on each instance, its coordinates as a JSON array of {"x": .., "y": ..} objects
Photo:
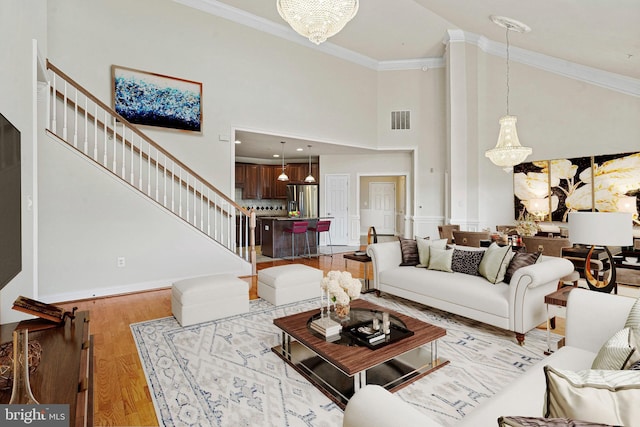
[
  {"x": 616, "y": 352},
  {"x": 633, "y": 320},
  {"x": 494, "y": 262},
  {"x": 440, "y": 259},
  {"x": 635, "y": 366},
  {"x": 423, "y": 249},
  {"x": 466, "y": 262},
  {"x": 519, "y": 260},
  {"x": 603, "y": 396},
  {"x": 409, "y": 249},
  {"x": 545, "y": 422}
]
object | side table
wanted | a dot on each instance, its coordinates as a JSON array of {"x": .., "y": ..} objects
[
  {"x": 557, "y": 298},
  {"x": 366, "y": 260}
]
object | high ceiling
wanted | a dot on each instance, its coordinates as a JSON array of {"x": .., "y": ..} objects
[{"x": 604, "y": 35}]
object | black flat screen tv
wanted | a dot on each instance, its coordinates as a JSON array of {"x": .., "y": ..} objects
[{"x": 10, "y": 203}]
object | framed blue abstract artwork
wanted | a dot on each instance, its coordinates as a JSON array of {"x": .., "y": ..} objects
[{"x": 152, "y": 99}]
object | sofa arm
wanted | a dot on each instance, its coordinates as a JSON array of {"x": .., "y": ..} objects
[
  {"x": 593, "y": 317},
  {"x": 373, "y": 406},
  {"x": 383, "y": 257},
  {"x": 548, "y": 269}
]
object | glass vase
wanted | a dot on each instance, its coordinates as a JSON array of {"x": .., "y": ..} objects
[
  {"x": 21, "y": 392},
  {"x": 342, "y": 312}
]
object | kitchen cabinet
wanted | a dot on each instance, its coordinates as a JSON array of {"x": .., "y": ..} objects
[
  {"x": 251, "y": 188},
  {"x": 261, "y": 181},
  {"x": 299, "y": 171},
  {"x": 240, "y": 175},
  {"x": 266, "y": 181}
]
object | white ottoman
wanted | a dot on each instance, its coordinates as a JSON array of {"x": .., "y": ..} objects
[
  {"x": 205, "y": 298},
  {"x": 289, "y": 283}
]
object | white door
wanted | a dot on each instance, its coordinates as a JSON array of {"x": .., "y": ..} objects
[
  {"x": 382, "y": 203},
  {"x": 337, "y": 195}
]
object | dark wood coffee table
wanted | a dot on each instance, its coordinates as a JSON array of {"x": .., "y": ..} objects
[{"x": 339, "y": 369}]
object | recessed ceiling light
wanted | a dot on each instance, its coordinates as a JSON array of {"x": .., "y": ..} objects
[
  {"x": 299, "y": 149},
  {"x": 238, "y": 141},
  {"x": 276, "y": 155}
]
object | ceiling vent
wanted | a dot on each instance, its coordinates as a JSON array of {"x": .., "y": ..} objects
[{"x": 400, "y": 120}]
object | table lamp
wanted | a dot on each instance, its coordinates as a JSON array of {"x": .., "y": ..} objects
[{"x": 601, "y": 229}]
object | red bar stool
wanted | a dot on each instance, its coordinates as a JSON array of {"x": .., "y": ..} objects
[
  {"x": 322, "y": 226},
  {"x": 298, "y": 227}
]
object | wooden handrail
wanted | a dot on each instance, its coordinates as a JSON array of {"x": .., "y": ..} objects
[
  {"x": 146, "y": 157},
  {"x": 134, "y": 129}
]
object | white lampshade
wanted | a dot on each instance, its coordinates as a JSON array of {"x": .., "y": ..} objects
[
  {"x": 601, "y": 228},
  {"x": 508, "y": 152}
]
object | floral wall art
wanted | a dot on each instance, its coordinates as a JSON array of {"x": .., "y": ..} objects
[{"x": 605, "y": 183}]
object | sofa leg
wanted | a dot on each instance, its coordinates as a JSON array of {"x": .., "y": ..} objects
[{"x": 520, "y": 338}]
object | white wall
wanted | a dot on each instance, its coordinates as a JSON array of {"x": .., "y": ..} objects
[
  {"x": 21, "y": 21},
  {"x": 97, "y": 219},
  {"x": 251, "y": 80},
  {"x": 354, "y": 166},
  {"x": 558, "y": 117}
]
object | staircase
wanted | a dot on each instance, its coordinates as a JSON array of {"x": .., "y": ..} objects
[{"x": 102, "y": 136}]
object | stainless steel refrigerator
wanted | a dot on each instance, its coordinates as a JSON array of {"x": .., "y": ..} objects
[{"x": 304, "y": 198}]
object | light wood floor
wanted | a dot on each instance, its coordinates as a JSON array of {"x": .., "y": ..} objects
[{"x": 121, "y": 395}]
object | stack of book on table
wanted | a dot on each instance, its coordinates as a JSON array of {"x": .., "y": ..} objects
[
  {"x": 368, "y": 334},
  {"x": 326, "y": 327}
]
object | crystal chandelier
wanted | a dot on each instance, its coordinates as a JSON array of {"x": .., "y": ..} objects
[
  {"x": 508, "y": 152},
  {"x": 317, "y": 19}
]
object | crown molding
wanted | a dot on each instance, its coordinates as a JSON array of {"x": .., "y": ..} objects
[
  {"x": 594, "y": 76},
  {"x": 608, "y": 80}
]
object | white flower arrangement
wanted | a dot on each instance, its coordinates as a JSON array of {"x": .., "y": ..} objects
[{"x": 341, "y": 287}]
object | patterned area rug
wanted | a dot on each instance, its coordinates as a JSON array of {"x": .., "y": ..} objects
[{"x": 223, "y": 373}]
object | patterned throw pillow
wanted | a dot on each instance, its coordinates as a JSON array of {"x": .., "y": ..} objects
[
  {"x": 633, "y": 320},
  {"x": 466, "y": 262},
  {"x": 545, "y": 422},
  {"x": 617, "y": 352},
  {"x": 581, "y": 395},
  {"x": 409, "y": 249},
  {"x": 519, "y": 260}
]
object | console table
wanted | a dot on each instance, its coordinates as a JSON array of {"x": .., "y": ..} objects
[{"x": 65, "y": 373}]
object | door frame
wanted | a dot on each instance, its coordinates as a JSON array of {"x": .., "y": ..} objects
[
  {"x": 325, "y": 178},
  {"x": 400, "y": 210}
]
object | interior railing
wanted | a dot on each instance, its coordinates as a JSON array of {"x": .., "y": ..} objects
[{"x": 82, "y": 121}]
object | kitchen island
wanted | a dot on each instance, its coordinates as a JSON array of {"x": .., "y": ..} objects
[{"x": 277, "y": 244}]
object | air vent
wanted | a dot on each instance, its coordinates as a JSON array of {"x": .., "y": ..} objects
[{"x": 400, "y": 120}]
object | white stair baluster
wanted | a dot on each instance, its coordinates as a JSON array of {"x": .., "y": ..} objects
[
  {"x": 75, "y": 120},
  {"x": 86, "y": 126},
  {"x": 54, "y": 106},
  {"x": 95, "y": 132},
  {"x": 124, "y": 157},
  {"x": 64, "y": 113}
]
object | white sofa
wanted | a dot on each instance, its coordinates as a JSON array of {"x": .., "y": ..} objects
[
  {"x": 517, "y": 306},
  {"x": 592, "y": 318}
]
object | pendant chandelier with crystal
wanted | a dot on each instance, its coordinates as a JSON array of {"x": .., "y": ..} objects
[
  {"x": 508, "y": 152},
  {"x": 317, "y": 19}
]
